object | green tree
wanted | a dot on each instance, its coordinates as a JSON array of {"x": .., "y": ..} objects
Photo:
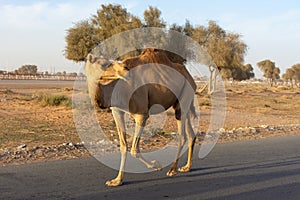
[
  {"x": 242, "y": 73},
  {"x": 27, "y": 70},
  {"x": 86, "y": 35},
  {"x": 152, "y": 18},
  {"x": 177, "y": 44},
  {"x": 176, "y": 27},
  {"x": 73, "y": 74},
  {"x": 188, "y": 28},
  {"x": 113, "y": 19},
  {"x": 270, "y": 71},
  {"x": 292, "y": 75},
  {"x": 227, "y": 50},
  {"x": 296, "y": 68},
  {"x": 110, "y": 20},
  {"x": 226, "y": 74},
  {"x": 80, "y": 41},
  {"x": 200, "y": 35},
  {"x": 249, "y": 71},
  {"x": 289, "y": 76}
]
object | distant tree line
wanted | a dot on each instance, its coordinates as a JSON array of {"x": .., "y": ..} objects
[
  {"x": 31, "y": 72},
  {"x": 292, "y": 75},
  {"x": 272, "y": 73},
  {"x": 27, "y": 70},
  {"x": 227, "y": 50}
]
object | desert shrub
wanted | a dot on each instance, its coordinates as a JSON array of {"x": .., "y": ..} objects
[
  {"x": 68, "y": 89},
  {"x": 283, "y": 87},
  {"x": 54, "y": 100},
  {"x": 7, "y": 91},
  {"x": 204, "y": 102}
]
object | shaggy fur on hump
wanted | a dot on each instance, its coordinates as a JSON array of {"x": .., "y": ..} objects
[
  {"x": 155, "y": 56},
  {"x": 148, "y": 56}
]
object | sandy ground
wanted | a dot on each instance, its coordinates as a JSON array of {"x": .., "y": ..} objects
[{"x": 31, "y": 132}]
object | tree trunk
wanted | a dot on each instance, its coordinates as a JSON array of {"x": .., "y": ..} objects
[
  {"x": 209, "y": 89},
  {"x": 215, "y": 79},
  {"x": 212, "y": 80}
]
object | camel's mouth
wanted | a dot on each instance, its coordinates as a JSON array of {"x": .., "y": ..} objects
[{"x": 106, "y": 81}]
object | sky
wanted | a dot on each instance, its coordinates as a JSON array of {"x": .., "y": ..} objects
[{"x": 33, "y": 31}]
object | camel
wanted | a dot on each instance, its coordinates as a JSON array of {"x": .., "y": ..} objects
[{"x": 103, "y": 77}]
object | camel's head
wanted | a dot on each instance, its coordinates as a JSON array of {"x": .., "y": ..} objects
[
  {"x": 101, "y": 73},
  {"x": 94, "y": 68}
]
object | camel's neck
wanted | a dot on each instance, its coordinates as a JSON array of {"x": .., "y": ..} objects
[{"x": 105, "y": 93}]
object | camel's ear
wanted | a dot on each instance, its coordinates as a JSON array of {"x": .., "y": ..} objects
[{"x": 91, "y": 58}]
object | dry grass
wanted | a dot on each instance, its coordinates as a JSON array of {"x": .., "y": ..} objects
[
  {"x": 24, "y": 120},
  {"x": 54, "y": 100}
]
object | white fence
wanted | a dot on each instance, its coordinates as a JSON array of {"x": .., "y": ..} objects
[{"x": 41, "y": 77}]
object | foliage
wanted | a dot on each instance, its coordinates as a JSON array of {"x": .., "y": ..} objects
[
  {"x": 109, "y": 20},
  {"x": 113, "y": 19},
  {"x": 292, "y": 74},
  {"x": 244, "y": 72},
  {"x": 152, "y": 18},
  {"x": 226, "y": 49},
  {"x": 80, "y": 40},
  {"x": 27, "y": 69},
  {"x": 270, "y": 71},
  {"x": 178, "y": 44},
  {"x": 226, "y": 74},
  {"x": 227, "y": 52}
]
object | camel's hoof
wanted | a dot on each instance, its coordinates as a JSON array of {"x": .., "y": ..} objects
[
  {"x": 134, "y": 153},
  {"x": 156, "y": 165},
  {"x": 172, "y": 172},
  {"x": 113, "y": 183},
  {"x": 184, "y": 169}
]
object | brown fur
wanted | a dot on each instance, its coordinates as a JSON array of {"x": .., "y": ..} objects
[
  {"x": 156, "y": 56},
  {"x": 141, "y": 101},
  {"x": 148, "y": 56}
]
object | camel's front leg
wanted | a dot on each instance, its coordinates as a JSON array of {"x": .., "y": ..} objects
[
  {"x": 120, "y": 124},
  {"x": 140, "y": 122}
]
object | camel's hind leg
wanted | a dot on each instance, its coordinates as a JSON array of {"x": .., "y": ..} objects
[
  {"x": 140, "y": 122},
  {"x": 120, "y": 123},
  {"x": 191, "y": 142},
  {"x": 181, "y": 140}
]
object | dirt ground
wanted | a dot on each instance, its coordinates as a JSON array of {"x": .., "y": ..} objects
[{"x": 32, "y": 132}]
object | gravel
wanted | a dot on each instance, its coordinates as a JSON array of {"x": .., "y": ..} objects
[{"x": 24, "y": 154}]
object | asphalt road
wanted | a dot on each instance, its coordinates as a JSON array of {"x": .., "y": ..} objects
[{"x": 260, "y": 169}]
